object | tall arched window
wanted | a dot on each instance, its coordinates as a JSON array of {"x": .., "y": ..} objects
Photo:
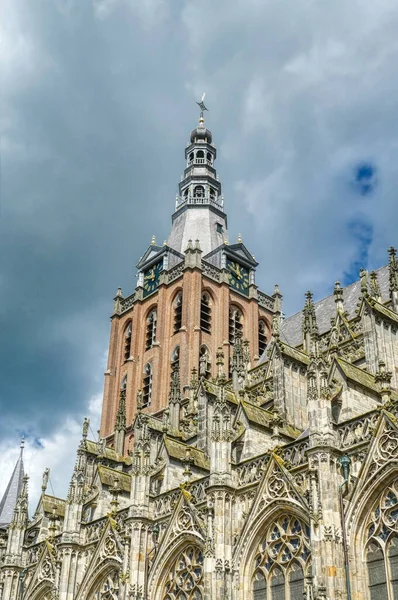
[
  {"x": 382, "y": 545},
  {"x": 205, "y": 313},
  {"x": 262, "y": 337},
  {"x": 151, "y": 329},
  {"x": 178, "y": 312},
  {"x": 147, "y": 386},
  {"x": 199, "y": 191},
  {"x": 185, "y": 579},
  {"x": 282, "y": 557},
  {"x": 127, "y": 341},
  {"x": 235, "y": 323}
]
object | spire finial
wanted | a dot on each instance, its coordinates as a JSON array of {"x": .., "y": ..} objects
[
  {"x": 153, "y": 242},
  {"x": 202, "y": 107},
  {"x": 22, "y": 446},
  {"x": 239, "y": 238}
]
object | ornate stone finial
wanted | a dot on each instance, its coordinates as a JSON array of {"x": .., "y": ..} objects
[
  {"x": 22, "y": 446},
  {"x": 175, "y": 386},
  {"x": 239, "y": 238},
  {"x": 117, "y": 301},
  {"x": 139, "y": 400},
  {"x": 189, "y": 246},
  {"x": 220, "y": 365},
  {"x": 363, "y": 275},
  {"x": 338, "y": 296},
  {"x": 310, "y": 326},
  {"x": 277, "y": 297},
  {"x": 194, "y": 378},
  {"x": 165, "y": 420},
  {"x": 187, "y": 461},
  {"x": 153, "y": 241},
  {"x": 197, "y": 245},
  {"x": 393, "y": 269},
  {"x": 164, "y": 243},
  {"x": 53, "y": 518},
  {"x": 114, "y": 491},
  {"x": 383, "y": 379},
  {"x": 226, "y": 242},
  {"x": 120, "y": 424},
  {"x": 374, "y": 286},
  {"x": 86, "y": 425},
  {"x": 46, "y": 477},
  {"x": 119, "y": 293}
]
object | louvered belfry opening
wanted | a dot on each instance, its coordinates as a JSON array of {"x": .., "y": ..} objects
[
  {"x": 151, "y": 329},
  {"x": 178, "y": 313},
  {"x": 205, "y": 313},
  {"x": 127, "y": 341},
  {"x": 262, "y": 337}
]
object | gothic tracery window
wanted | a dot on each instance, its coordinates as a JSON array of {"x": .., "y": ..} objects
[
  {"x": 178, "y": 312},
  {"x": 382, "y": 546},
  {"x": 282, "y": 558},
  {"x": 151, "y": 323},
  {"x": 109, "y": 589},
  {"x": 185, "y": 580},
  {"x": 262, "y": 337}
]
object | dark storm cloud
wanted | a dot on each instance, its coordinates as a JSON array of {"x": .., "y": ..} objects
[{"x": 97, "y": 104}]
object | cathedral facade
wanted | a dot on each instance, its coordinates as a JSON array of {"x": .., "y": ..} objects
[{"x": 242, "y": 455}]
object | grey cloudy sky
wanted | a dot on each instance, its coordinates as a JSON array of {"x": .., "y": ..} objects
[{"x": 97, "y": 102}]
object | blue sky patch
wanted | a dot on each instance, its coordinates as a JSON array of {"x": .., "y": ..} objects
[{"x": 365, "y": 178}]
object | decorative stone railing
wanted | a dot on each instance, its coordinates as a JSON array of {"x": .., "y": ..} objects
[
  {"x": 93, "y": 531},
  {"x": 357, "y": 430},
  {"x": 252, "y": 470},
  {"x": 294, "y": 454},
  {"x": 165, "y": 503},
  {"x": 211, "y": 271},
  {"x": 265, "y": 301},
  {"x": 127, "y": 303},
  {"x": 175, "y": 272}
]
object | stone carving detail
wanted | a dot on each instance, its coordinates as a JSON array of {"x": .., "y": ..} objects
[
  {"x": 387, "y": 449},
  {"x": 358, "y": 430},
  {"x": 46, "y": 570},
  {"x": 185, "y": 579},
  {"x": 110, "y": 546}
]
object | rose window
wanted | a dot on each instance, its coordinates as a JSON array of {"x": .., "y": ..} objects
[{"x": 185, "y": 580}]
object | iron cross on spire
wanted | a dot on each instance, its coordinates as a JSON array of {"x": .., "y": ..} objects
[{"x": 202, "y": 106}]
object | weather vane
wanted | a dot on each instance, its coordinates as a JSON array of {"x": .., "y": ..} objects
[{"x": 202, "y": 106}]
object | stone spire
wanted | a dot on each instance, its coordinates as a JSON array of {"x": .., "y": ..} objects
[
  {"x": 393, "y": 276},
  {"x": 310, "y": 326},
  {"x": 175, "y": 399},
  {"x": 338, "y": 297},
  {"x": 120, "y": 424},
  {"x": 199, "y": 211},
  {"x": 374, "y": 286},
  {"x": 13, "y": 491}
]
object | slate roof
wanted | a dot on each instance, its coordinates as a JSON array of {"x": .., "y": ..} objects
[
  {"x": 325, "y": 309},
  {"x": 10, "y": 497}
]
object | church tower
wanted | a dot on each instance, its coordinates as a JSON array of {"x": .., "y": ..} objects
[{"x": 195, "y": 296}]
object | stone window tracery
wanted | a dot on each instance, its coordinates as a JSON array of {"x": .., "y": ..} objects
[
  {"x": 282, "y": 558},
  {"x": 235, "y": 323},
  {"x": 382, "y": 546},
  {"x": 178, "y": 313},
  {"x": 185, "y": 580},
  {"x": 262, "y": 337},
  {"x": 109, "y": 589},
  {"x": 147, "y": 386}
]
